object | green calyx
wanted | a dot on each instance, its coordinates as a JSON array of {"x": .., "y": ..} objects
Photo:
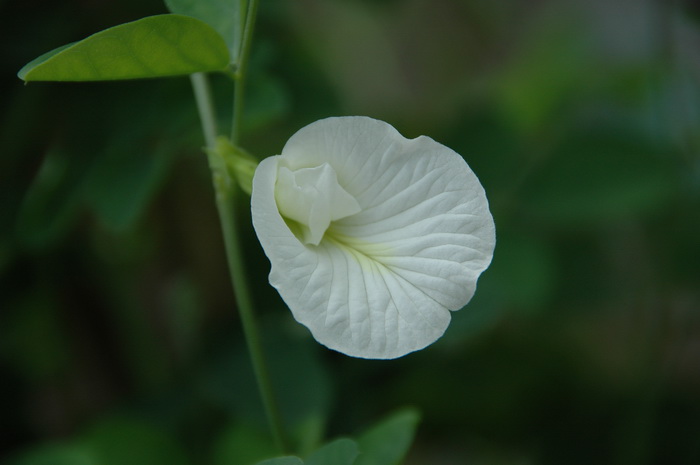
[{"x": 239, "y": 164}]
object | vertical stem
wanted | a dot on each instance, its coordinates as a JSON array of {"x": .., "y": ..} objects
[
  {"x": 241, "y": 71},
  {"x": 227, "y": 192},
  {"x": 226, "y": 204},
  {"x": 202, "y": 95}
]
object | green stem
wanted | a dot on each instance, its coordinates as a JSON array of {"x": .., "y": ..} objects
[
  {"x": 202, "y": 95},
  {"x": 227, "y": 194},
  {"x": 241, "y": 71}
]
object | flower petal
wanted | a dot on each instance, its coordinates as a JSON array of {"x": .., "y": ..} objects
[
  {"x": 381, "y": 282},
  {"x": 313, "y": 198}
]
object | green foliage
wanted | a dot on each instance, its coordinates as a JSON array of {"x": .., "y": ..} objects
[
  {"x": 156, "y": 46},
  {"x": 114, "y": 294},
  {"x": 593, "y": 178},
  {"x": 114, "y": 441},
  {"x": 58, "y": 454},
  {"x": 225, "y": 16},
  {"x": 115, "y": 177},
  {"x": 388, "y": 442},
  {"x": 52, "y": 201},
  {"x": 268, "y": 101},
  {"x": 339, "y": 452},
  {"x": 241, "y": 444},
  {"x": 384, "y": 444},
  {"x": 300, "y": 380},
  {"x": 289, "y": 460},
  {"x": 123, "y": 179},
  {"x": 552, "y": 70}
]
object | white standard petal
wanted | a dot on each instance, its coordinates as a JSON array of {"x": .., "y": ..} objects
[{"x": 398, "y": 233}]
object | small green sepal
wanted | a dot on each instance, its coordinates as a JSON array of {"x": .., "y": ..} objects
[{"x": 239, "y": 164}]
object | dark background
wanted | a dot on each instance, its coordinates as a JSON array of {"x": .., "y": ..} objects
[{"x": 119, "y": 337}]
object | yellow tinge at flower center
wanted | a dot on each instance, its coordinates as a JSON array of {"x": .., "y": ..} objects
[{"x": 313, "y": 198}]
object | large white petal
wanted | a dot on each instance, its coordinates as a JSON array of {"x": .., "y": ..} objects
[{"x": 381, "y": 282}]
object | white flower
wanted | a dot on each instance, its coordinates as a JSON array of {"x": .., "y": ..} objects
[{"x": 373, "y": 238}]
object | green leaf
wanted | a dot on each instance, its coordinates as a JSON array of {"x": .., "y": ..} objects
[
  {"x": 156, "y": 46},
  {"x": 52, "y": 201},
  {"x": 243, "y": 445},
  {"x": 222, "y": 15},
  {"x": 339, "y": 452},
  {"x": 289, "y": 460},
  {"x": 308, "y": 433},
  {"x": 388, "y": 442},
  {"x": 124, "y": 179}
]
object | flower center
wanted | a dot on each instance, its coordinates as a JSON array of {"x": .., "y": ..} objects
[{"x": 312, "y": 197}]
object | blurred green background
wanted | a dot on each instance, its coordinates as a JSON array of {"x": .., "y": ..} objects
[{"x": 119, "y": 338}]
